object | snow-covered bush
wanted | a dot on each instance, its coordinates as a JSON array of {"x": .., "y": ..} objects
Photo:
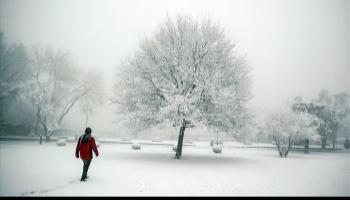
[
  {"x": 61, "y": 142},
  {"x": 136, "y": 146},
  {"x": 286, "y": 126},
  {"x": 217, "y": 149}
]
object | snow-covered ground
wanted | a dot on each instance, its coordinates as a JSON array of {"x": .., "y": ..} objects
[{"x": 30, "y": 169}]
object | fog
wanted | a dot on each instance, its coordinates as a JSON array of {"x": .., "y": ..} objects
[{"x": 294, "y": 47}]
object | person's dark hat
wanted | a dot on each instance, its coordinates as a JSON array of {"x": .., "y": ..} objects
[{"x": 88, "y": 130}]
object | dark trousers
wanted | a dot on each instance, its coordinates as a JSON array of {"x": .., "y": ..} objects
[{"x": 85, "y": 168}]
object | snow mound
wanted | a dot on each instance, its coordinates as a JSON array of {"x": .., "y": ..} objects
[{"x": 61, "y": 142}]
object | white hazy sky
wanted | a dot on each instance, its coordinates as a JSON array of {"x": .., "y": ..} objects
[{"x": 295, "y": 47}]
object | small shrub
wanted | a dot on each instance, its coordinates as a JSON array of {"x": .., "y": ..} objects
[
  {"x": 217, "y": 149},
  {"x": 136, "y": 146}
]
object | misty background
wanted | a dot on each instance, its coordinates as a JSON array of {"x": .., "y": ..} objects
[{"x": 294, "y": 47}]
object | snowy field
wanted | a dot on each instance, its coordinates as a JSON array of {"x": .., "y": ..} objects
[{"x": 30, "y": 169}]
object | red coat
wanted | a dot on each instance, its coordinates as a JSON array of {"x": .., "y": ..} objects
[{"x": 86, "y": 149}]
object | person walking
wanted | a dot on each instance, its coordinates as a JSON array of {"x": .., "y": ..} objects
[{"x": 86, "y": 144}]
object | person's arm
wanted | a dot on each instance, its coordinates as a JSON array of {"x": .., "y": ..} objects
[
  {"x": 94, "y": 147},
  {"x": 77, "y": 149}
]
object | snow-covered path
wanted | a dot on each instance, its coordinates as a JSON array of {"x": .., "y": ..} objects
[{"x": 48, "y": 170}]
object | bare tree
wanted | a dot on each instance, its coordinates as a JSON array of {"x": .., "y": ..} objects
[
  {"x": 94, "y": 93},
  {"x": 54, "y": 89},
  {"x": 186, "y": 73}
]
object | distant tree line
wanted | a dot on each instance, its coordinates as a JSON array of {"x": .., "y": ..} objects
[
  {"x": 39, "y": 86},
  {"x": 332, "y": 114}
]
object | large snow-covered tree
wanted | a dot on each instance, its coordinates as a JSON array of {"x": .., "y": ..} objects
[{"x": 186, "y": 73}]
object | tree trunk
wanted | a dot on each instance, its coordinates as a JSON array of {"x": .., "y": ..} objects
[
  {"x": 324, "y": 142},
  {"x": 217, "y": 138},
  {"x": 289, "y": 147},
  {"x": 280, "y": 151},
  {"x": 278, "y": 147},
  {"x": 37, "y": 123},
  {"x": 307, "y": 142},
  {"x": 47, "y": 138},
  {"x": 180, "y": 142},
  {"x": 43, "y": 124},
  {"x": 334, "y": 141}
]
